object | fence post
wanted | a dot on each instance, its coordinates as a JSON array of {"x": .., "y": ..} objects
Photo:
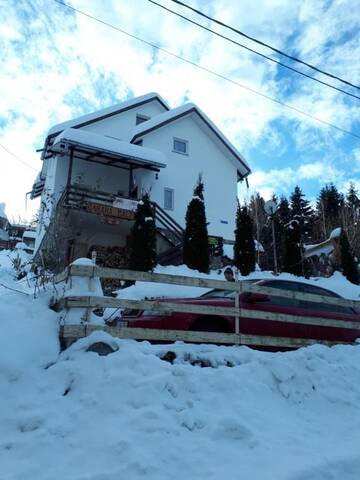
[{"x": 237, "y": 293}]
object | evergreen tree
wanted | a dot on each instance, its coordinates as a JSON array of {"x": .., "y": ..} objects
[
  {"x": 352, "y": 199},
  {"x": 143, "y": 238},
  {"x": 196, "y": 242},
  {"x": 302, "y": 211},
  {"x": 348, "y": 263},
  {"x": 292, "y": 261},
  {"x": 283, "y": 215},
  {"x": 283, "y": 212},
  {"x": 244, "y": 248},
  {"x": 329, "y": 207}
]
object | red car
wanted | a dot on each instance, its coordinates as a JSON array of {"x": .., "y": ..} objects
[{"x": 255, "y": 302}]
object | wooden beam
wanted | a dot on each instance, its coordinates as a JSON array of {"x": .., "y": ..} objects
[
  {"x": 71, "y": 332},
  {"x": 241, "y": 286},
  {"x": 155, "y": 305},
  {"x": 168, "y": 307}
]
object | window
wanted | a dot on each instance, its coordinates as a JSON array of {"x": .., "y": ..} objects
[
  {"x": 323, "y": 306},
  {"x": 180, "y": 146},
  {"x": 283, "y": 285},
  {"x": 169, "y": 198},
  {"x": 141, "y": 118}
]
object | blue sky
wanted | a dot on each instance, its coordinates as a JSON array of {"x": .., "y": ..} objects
[{"x": 56, "y": 64}]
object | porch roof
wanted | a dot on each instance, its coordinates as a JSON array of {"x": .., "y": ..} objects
[{"x": 107, "y": 149}]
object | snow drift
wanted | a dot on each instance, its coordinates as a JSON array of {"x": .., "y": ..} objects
[{"x": 77, "y": 415}]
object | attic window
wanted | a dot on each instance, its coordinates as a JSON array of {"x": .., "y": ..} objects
[
  {"x": 181, "y": 146},
  {"x": 141, "y": 118}
]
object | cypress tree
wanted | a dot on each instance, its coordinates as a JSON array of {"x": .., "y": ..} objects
[
  {"x": 292, "y": 260},
  {"x": 283, "y": 215},
  {"x": 244, "y": 248},
  {"x": 143, "y": 238},
  {"x": 196, "y": 254},
  {"x": 348, "y": 263}
]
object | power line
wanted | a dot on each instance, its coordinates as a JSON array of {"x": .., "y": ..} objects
[
  {"x": 295, "y": 59},
  {"x": 205, "y": 69},
  {"x": 254, "y": 51},
  {"x": 17, "y": 158}
]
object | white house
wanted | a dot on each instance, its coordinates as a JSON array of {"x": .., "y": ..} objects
[{"x": 97, "y": 166}]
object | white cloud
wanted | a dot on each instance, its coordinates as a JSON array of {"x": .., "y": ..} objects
[{"x": 56, "y": 65}]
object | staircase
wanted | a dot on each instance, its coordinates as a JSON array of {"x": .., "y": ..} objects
[{"x": 171, "y": 233}]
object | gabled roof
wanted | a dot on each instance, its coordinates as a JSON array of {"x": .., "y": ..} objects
[
  {"x": 176, "y": 113},
  {"x": 106, "y": 112}
]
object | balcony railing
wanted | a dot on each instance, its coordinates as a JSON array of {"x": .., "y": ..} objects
[{"x": 104, "y": 204}]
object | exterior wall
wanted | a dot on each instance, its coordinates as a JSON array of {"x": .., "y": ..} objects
[
  {"x": 206, "y": 157},
  {"x": 121, "y": 126}
]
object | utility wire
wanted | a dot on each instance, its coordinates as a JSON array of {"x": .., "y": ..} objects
[
  {"x": 265, "y": 44},
  {"x": 205, "y": 69},
  {"x": 17, "y": 158},
  {"x": 254, "y": 51}
]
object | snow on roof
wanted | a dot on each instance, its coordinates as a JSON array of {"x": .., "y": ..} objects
[
  {"x": 109, "y": 145},
  {"x": 336, "y": 232},
  {"x": 2, "y": 211},
  {"x": 99, "y": 114},
  {"x": 318, "y": 249},
  {"x": 175, "y": 113}
]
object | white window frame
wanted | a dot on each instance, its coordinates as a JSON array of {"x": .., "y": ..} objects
[
  {"x": 175, "y": 139},
  {"x": 172, "y": 191}
]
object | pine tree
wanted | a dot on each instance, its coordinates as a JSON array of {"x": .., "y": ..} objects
[
  {"x": 292, "y": 261},
  {"x": 244, "y": 248},
  {"x": 302, "y": 211},
  {"x": 352, "y": 199},
  {"x": 196, "y": 242},
  {"x": 348, "y": 263},
  {"x": 143, "y": 238},
  {"x": 329, "y": 207}
]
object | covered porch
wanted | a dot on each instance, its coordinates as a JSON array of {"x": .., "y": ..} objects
[{"x": 103, "y": 185}]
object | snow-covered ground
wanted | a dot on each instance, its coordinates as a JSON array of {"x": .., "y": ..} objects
[{"x": 130, "y": 415}]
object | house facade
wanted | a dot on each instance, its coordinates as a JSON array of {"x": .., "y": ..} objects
[{"x": 96, "y": 167}]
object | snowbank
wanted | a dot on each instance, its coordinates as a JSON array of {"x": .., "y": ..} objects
[{"x": 131, "y": 415}]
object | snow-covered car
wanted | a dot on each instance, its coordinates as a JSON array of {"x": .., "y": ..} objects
[{"x": 255, "y": 302}]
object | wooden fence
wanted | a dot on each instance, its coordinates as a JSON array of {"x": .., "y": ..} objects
[{"x": 70, "y": 333}]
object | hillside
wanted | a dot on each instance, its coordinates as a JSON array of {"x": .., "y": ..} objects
[{"x": 76, "y": 415}]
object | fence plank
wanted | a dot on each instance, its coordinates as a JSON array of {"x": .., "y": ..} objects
[
  {"x": 70, "y": 332},
  {"x": 242, "y": 286},
  {"x": 168, "y": 307}
]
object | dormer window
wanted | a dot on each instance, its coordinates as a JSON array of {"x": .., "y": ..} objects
[
  {"x": 141, "y": 118},
  {"x": 180, "y": 146}
]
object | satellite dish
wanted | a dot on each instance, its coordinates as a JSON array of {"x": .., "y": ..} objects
[{"x": 270, "y": 207}]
